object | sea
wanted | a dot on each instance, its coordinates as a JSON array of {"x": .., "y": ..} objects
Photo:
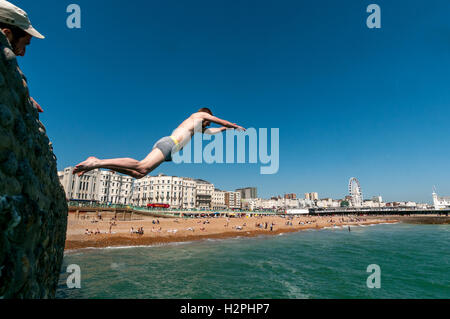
[{"x": 411, "y": 261}]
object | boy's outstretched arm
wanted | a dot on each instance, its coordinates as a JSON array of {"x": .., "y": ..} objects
[
  {"x": 217, "y": 130},
  {"x": 219, "y": 121}
]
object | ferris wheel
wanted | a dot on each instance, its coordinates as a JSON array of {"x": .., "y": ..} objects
[{"x": 355, "y": 192}]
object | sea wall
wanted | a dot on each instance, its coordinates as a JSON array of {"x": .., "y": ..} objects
[{"x": 33, "y": 209}]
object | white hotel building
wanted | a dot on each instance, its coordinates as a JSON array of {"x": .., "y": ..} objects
[
  {"x": 181, "y": 192},
  {"x": 97, "y": 185},
  {"x": 218, "y": 200},
  {"x": 178, "y": 192}
]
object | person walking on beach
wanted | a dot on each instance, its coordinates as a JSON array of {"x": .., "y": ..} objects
[{"x": 163, "y": 149}]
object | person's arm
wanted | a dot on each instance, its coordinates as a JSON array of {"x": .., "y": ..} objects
[
  {"x": 216, "y": 120},
  {"x": 216, "y": 130},
  {"x": 36, "y": 105}
]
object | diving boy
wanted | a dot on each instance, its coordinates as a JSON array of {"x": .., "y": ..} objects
[{"x": 163, "y": 149}]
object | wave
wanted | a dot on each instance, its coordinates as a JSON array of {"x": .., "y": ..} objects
[{"x": 79, "y": 250}]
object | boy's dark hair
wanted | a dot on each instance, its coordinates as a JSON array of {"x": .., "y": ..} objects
[
  {"x": 16, "y": 31},
  {"x": 206, "y": 110}
]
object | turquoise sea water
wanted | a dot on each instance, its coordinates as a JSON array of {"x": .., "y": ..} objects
[{"x": 328, "y": 263}]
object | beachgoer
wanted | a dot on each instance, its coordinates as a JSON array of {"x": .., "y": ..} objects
[
  {"x": 17, "y": 28},
  {"x": 163, "y": 149}
]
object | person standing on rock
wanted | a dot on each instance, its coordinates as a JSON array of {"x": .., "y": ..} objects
[{"x": 16, "y": 26}]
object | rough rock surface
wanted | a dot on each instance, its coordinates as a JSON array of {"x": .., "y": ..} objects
[{"x": 33, "y": 209}]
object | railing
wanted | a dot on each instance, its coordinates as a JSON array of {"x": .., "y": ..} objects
[
  {"x": 172, "y": 212},
  {"x": 96, "y": 205}
]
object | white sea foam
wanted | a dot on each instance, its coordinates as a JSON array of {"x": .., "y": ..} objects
[
  {"x": 294, "y": 291},
  {"x": 72, "y": 251}
]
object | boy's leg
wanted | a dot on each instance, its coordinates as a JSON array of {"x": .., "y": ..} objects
[
  {"x": 128, "y": 172},
  {"x": 152, "y": 161}
]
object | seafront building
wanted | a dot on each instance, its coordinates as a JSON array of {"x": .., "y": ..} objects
[
  {"x": 273, "y": 204},
  {"x": 233, "y": 200},
  {"x": 218, "y": 200},
  {"x": 312, "y": 196},
  {"x": 440, "y": 202},
  {"x": 97, "y": 185},
  {"x": 161, "y": 189},
  {"x": 327, "y": 203},
  {"x": 204, "y": 191},
  {"x": 248, "y": 192}
]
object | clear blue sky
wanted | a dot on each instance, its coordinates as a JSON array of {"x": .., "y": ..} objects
[{"x": 349, "y": 101}]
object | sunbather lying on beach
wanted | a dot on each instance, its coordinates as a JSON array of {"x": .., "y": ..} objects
[{"x": 163, "y": 149}]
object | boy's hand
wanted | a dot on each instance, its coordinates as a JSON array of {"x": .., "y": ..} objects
[{"x": 239, "y": 128}]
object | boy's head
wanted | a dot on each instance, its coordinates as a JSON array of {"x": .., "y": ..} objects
[
  {"x": 205, "y": 124},
  {"x": 206, "y": 110}
]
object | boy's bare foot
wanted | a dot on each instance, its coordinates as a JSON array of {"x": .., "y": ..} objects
[{"x": 86, "y": 166}]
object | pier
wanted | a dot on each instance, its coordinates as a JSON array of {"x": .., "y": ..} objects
[{"x": 401, "y": 211}]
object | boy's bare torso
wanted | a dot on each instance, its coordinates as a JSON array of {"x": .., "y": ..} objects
[{"x": 193, "y": 124}]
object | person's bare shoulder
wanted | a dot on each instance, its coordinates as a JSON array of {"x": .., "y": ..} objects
[{"x": 199, "y": 115}]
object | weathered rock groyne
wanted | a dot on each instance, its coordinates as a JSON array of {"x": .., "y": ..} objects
[{"x": 33, "y": 209}]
